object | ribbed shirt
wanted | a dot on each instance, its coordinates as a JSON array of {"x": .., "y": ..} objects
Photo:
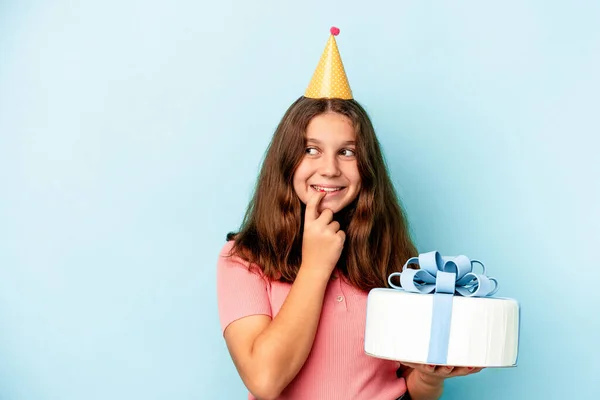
[{"x": 337, "y": 367}]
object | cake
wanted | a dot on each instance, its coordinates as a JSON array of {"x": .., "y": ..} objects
[{"x": 442, "y": 314}]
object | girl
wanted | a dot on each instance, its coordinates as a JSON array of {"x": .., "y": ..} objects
[{"x": 323, "y": 228}]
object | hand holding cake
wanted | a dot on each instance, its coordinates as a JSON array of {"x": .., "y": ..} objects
[{"x": 435, "y": 374}]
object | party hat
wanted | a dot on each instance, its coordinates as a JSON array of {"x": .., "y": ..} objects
[{"x": 329, "y": 80}]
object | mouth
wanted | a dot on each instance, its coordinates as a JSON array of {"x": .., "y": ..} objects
[{"x": 327, "y": 189}]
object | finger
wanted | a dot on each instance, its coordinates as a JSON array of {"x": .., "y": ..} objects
[
  {"x": 420, "y": 367},
  {"x": 326, "y": 216},
  {"x": 410, "y": 365},
  {"x": 334, "y": 226},
  {"x": 445, "y": 370},
  {"x": 429, "y": 368},
  {"x": 312, "y": 212},
  {"x": 473, "y": 370},
  {"x": 342, "y": 235},
  {"x": 462, "y": 371}
]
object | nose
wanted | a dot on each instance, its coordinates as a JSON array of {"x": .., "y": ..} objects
[{"x": 329, "y": 166}]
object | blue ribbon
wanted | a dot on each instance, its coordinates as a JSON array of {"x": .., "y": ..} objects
[{"x": 444, "y": 277}]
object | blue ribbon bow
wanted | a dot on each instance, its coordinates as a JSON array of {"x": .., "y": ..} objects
[{"x": 445, "y": 277}]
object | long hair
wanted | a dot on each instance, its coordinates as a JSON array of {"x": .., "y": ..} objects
[{"x": 377, "y": 237}]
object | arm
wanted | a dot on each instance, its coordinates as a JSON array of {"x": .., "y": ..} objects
[{"x": 268, "y": 354}]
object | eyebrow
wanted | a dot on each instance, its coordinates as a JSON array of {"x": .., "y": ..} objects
[{"x": 319, "y": 142}]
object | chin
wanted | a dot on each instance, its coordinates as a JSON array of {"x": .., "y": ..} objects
[
  {"x": 334, "y": 209},
  {"x": 334, "y": 202},
  {"x": 334, "y": 206}
]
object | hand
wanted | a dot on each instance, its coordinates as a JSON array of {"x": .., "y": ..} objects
[
  {"x": 323, "y": 240},
  {"x": 434, "y": 375}
]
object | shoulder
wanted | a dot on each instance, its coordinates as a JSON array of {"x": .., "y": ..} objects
[
  {"x": 228, "y": 260},
  {"x": 228, "y": 256},
  {"x": 226, "y": 249}
]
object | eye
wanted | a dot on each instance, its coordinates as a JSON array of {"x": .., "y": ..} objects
[
  {"x": 311, "y": 151},
  {"x": 348, "y": 152}
]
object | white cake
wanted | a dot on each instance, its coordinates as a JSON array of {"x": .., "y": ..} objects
[{"x": 483, "y": 331}]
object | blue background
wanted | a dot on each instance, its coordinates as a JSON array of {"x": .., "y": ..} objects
[{"x": 131, "y": 133}]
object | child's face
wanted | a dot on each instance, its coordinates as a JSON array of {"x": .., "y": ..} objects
[{"x": 329, "y": 162}]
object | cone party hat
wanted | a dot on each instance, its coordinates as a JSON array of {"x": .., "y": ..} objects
[{"x": 329, "y": 79}]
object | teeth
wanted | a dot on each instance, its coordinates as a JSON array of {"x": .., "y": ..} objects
[{"x": 328, "y": 190}]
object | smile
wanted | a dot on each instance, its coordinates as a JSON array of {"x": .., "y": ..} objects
[{"x": 326, "y": 189}]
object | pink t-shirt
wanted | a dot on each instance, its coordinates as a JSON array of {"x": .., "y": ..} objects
[{"x": 337, "y": 367}]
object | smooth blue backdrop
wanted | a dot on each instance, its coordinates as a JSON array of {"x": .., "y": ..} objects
[{"x": 131, "y": 133}]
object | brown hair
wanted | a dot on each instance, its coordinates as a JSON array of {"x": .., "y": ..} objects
[{"x": 377, "y": 238}]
